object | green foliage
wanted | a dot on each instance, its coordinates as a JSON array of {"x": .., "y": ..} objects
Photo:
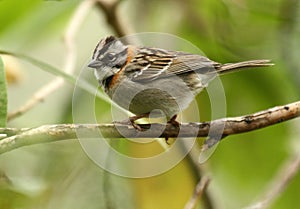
[
  {"x": 3, "y": 95},
  {"x": 59, "y": 175}
]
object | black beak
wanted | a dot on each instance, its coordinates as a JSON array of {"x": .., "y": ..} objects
[{"x": 95, "y": 64}]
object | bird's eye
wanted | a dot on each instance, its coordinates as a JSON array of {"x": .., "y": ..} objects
[{"x": 111, "y": 56}]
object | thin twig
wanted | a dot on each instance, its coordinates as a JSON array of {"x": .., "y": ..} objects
[
  {"x": 284, "y": 175},
  {"x": 109, "y": 8},
  {"x": 199, "y": 171},
  {"x": 199, "y": 190},
  {"x": 279, "y": 183},
  {"x": 234, "y": 125},
  {"x": 69, "y": 63}
]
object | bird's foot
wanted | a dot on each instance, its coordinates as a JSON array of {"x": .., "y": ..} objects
[
  {"x": 174, "y": 123},
  {"x": 132, "y": 120}
]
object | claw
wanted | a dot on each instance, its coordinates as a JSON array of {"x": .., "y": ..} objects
[
  {"x": 136, "y": 117},
  {"x": 129, "y": 122},
  {"x": 174, "y": 123},
  {"x": 136, "y": 126},
  {"x": 167, "y": 141}
]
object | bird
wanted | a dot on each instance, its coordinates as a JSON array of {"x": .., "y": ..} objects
[{"x": 155, "y": 81}]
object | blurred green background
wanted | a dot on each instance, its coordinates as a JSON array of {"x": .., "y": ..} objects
[{"x": 60, "y": 175}]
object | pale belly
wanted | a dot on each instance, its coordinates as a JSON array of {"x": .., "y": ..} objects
[{"x": 170, "y": 96}]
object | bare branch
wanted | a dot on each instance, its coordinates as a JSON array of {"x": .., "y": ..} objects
[
  {"x": 289, "y": 169},
  {"x": 71, "y": 31},
  {"x": 199, "y": 190},
  {"x": 234, "y": 125},
  {"x": 110, "y": 7},
  {"x": 200, "y": 172},
  {"x": 69, "y": 65}
]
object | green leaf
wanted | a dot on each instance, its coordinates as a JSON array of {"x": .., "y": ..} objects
[{"x": 3, "y": 96}]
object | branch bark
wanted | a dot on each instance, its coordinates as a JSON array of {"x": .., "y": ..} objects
[
  {"x": 198, "y": 192},
  {"x": 281, "y": 180},
  {"x": 47, "y": 133},
  {"x": 109, "y": 8}
]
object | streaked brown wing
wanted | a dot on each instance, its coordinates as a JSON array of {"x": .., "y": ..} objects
[
  {"x": 151, "y": 63},
  {"x": 192, "y": 62}
]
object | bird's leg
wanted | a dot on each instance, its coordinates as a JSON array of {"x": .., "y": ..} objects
[
  {"x": 174, "y": 123},
  {"x": 132, "y": 120}
]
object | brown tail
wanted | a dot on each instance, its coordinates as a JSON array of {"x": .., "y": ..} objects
[{"x": 230, "y": 67}]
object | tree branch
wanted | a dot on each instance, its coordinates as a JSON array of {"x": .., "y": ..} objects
[
  {"x": 281, "y": 180},
  {"x": 109, "y": 9},
  {"x": 47, "y": 133},
  {"x": 198, "y": 192}
]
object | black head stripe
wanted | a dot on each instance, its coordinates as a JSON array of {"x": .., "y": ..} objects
[
  {"x": 103, "y": 45},
  {"x": 110, "y": 39},
  {"x": 95, "y": 51}
]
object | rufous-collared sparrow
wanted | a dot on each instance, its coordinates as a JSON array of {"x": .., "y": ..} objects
[{"x": 143, "y": 79}]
